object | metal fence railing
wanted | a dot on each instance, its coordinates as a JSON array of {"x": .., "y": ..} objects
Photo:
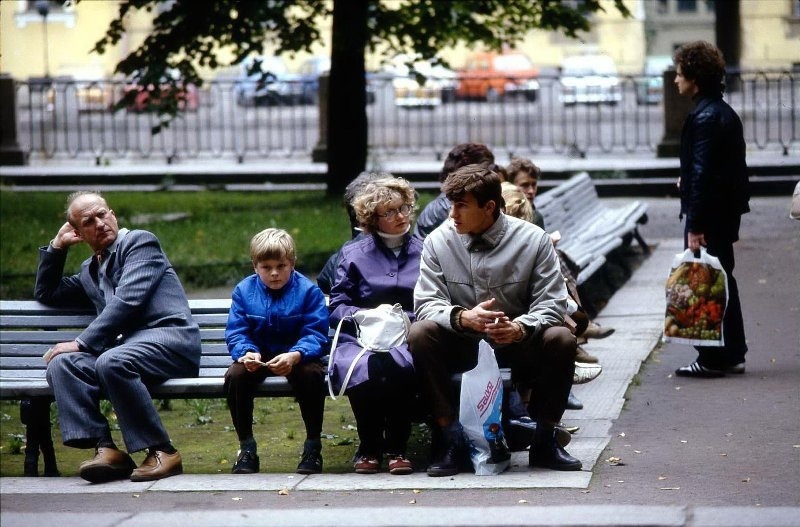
[{"x": 228, "y": 119}]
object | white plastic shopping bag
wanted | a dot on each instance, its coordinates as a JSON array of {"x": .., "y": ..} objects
[
  {"x": 696, "y": 293},
  {"x": 480, "y": 414}
]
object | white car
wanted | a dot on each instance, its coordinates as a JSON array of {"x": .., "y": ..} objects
[
  {"x": 410, "y": 90},
  {"x": 590, "y": 79},
  {"x": 650, "y": 86}
]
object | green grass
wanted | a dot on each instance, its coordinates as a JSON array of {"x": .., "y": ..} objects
[
  {"x": 201, "y": 429},
  {"x": 209, "y": 247}
]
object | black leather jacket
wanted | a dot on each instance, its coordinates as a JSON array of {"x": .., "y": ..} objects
[{"x": 714, "y": 182}]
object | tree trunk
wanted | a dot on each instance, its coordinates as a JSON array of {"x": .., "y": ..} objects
[
  {"x": 347, "y": 114},
  {"x": 728, "y": 33}
]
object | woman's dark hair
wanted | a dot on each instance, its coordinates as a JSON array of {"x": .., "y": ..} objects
[
  {"x": 465, "y": 154},
  {"x": 479, "y": 181},
  {"x": 703, "y": 63}
]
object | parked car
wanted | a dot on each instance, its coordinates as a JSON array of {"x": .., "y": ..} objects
[
  {"x": 427, "y": 86},
  {"x": 309, "y": 74},
  {"x": 491, "y": 77},
  {"x": 271, "y": 86},
  {"x": 650, "y": 87},
  {"x": 590, "y": 79},
  {"x": 145, "y": 100},
  {"x": 93, "y": 91}
]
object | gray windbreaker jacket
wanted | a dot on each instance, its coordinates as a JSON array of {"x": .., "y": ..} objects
[{"x": 514, "y": 262}]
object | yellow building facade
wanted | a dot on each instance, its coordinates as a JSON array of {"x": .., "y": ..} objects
[{"x": 770, "y": 39}]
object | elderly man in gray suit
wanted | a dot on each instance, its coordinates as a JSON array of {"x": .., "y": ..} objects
[{"x": 143, "y": 335}]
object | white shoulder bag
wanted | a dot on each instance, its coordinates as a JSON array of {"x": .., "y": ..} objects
[{"x": 379, "y": 329}]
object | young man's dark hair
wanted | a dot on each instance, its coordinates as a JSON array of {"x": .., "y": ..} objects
[
  {"x": 478, "y": 180},
  {"x": 435, "y": 212},
  {"x": 702, "y": 63},
  {"x": 521, "y": 164},
  {"x": 465, "y": 154}
]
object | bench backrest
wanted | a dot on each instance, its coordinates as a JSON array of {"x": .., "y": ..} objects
[
  {"x": 28, "y": 329},
  {"x": 570, "y": 205}
]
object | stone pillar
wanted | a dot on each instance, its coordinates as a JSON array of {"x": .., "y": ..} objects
[
  {"x": 676, "y": 108},
  {"x": 10, "y": 152},
  {"x": 320, "y": 152}
]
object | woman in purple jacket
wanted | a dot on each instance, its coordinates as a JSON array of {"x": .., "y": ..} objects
[{"x": 381, "y": 268}]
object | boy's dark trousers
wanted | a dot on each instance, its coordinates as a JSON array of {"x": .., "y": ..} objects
[{"x": 307, "y": 380}]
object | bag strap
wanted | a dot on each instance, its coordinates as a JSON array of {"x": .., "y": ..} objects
[
  {"x": 349, "y": 372},
  {"x": 330, "y": 356},
  {"x": 352, "y": 364}
]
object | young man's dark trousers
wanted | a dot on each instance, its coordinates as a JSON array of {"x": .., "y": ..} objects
[{"x": 545, "y": 363}]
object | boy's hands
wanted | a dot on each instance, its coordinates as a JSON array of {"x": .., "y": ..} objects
[
  {"x": 282, "y": 364},
  {"x": 251, "y": 361}
]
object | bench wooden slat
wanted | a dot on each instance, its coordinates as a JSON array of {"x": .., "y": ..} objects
[
  {"x": 26, "y": 349},
  {"x": 590, "y": 230},
  {"x": 45, "y": 321},
  {"x": 40, "y": 337}
]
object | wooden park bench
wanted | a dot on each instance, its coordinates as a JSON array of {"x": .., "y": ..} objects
[
  {"x": 589, "y": 229},
  {"x": 29, "y": 328}
]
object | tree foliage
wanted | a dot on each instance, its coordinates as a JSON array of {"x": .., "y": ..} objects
[{"x": 187, "y": 35}]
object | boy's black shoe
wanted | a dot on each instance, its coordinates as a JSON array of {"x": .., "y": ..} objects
[
  {"x": 246, "y": 463},
  {"x": 311, "y": 460}
]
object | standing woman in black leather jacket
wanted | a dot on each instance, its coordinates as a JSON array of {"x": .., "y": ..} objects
[{"x": 714, "y": 191}]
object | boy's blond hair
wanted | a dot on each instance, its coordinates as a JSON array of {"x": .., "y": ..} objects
[{"x": 272, "y": 244}]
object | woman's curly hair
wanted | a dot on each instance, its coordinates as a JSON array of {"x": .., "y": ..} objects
[{"x": 381, "y": 192}]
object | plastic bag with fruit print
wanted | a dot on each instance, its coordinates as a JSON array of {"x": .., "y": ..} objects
[{"x": 697, "y": 293}]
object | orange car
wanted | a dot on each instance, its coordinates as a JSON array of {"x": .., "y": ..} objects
[{"x": 493, "y": 76}]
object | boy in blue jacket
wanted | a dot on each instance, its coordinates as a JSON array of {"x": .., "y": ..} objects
[{"x": 277, "y": 325}]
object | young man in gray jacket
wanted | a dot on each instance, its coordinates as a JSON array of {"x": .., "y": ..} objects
[{"x": 485, "y": 275}]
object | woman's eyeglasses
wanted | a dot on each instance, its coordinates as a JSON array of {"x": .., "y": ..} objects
[{"x": 392, "y": 213}]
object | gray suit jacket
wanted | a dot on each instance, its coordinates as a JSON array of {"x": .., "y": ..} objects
[{"x": 148, "y": 302}]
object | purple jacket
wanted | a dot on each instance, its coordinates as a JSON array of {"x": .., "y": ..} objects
[{"x": 369, "y": 274}]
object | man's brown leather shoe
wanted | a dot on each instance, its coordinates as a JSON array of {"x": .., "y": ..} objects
[
  {"x": 158, "y": 465},
  {"x": 108, "y": 464}
]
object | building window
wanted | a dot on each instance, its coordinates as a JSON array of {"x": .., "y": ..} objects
[
  {"x": 687, "y": 6},
  {"x": 58, "y": 12},
  {"x": 796, "y": 8},
  {"x": 662, "y": 7}
]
